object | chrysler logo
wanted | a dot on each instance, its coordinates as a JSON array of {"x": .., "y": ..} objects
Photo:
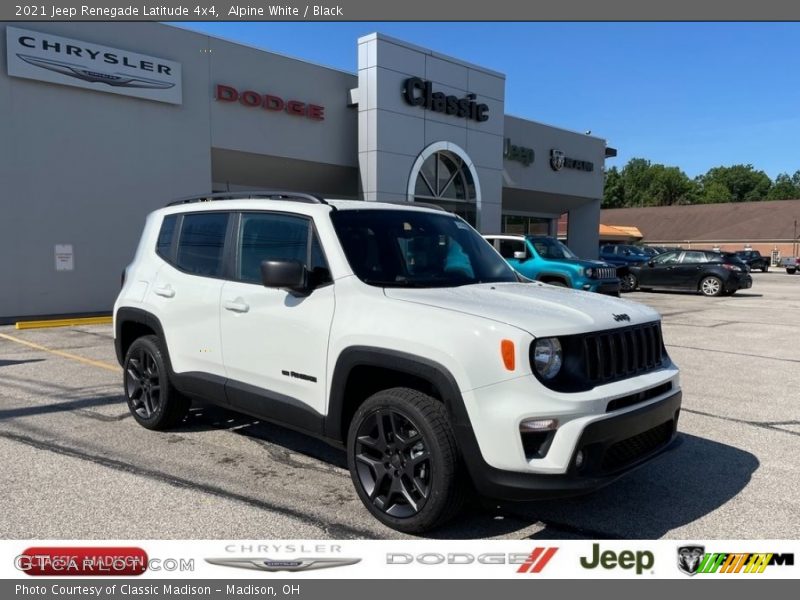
[
  {"x": 271, "y": 565},
  {"x": 93, "y": 76},
  {"x": 621, "y": 317}
]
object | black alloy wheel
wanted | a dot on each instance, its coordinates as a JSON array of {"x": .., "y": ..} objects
[
  {"x": 143, "y": 383},
  {"x": 628, "y": 282},
  {"x": 404, "y": 461},
  {"x": 393, "y": 464},
  {"x": 152, "y": 399}
]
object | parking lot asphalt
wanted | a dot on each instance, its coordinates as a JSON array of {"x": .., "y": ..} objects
[{"x": 76, "y": 465}]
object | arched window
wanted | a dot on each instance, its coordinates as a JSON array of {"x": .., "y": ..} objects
[{"x": 443, "y": 175}]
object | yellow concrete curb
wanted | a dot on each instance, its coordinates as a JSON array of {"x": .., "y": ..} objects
[{"x": 63, "y": 322}]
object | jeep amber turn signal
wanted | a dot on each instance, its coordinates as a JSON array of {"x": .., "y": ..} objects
[{"x": 507, "y": 352}]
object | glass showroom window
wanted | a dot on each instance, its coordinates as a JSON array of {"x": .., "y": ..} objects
[{"x": 444, "y": 179}]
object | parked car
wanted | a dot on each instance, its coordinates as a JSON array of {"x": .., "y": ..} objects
[
  {"x": 711, "y": 273},
  {"x": 754, "y": 260},
  {"x": 546, "y": 259},
  {"x": 791, "y": 264},
  {"x": 623, "y": 254},
  {"x": 398, "y": 334}
]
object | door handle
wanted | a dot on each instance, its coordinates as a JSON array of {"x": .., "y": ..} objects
[
  {"x": 164, "y": 290},
  {"x": 238, "y": 305}
]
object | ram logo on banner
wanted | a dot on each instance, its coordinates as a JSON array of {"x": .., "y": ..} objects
[{"x": 56, "y": 59}]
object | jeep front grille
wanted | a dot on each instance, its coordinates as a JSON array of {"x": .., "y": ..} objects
[
  {"x": 621, "y": 353},
  {"x": 605, "y": 273}
]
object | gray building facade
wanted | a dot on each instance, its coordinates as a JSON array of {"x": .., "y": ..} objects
[{"x": 101, "y": 123}]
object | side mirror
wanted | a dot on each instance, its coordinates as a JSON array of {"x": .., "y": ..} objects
[
  {"x": 289, "y": 274},
  {"x": 520, "y": 255},
  {"x": 650, "y": 263},
  {"x": 626, "y": 252}
]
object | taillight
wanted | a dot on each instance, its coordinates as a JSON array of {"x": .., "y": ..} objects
[{"x": 731, "y": 267}]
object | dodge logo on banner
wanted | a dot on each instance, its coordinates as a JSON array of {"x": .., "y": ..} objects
[{"x": 56, "y": 59}]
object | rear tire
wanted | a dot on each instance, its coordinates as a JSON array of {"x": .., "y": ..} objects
[
  {"x": 711, "y": 286},
  {"x": 152, "y": 399},
  {"x": 765, "y": 268},
  {"x": 791, "y": 271},
  {"x": 404, "y": 461}
]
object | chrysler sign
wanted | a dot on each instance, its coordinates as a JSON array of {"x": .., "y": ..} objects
[{"x": 56, "y": 59}]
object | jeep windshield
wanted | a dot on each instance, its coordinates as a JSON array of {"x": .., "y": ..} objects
[
  {"x": 548, "y": 247},
  {"x": 408, "y": 248}
]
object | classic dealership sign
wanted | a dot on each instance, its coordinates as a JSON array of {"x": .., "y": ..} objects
[
  {"x": 65, "y": 61},
  {"x": 418, "y": 92},
  {"x": 251, "y": 99}
]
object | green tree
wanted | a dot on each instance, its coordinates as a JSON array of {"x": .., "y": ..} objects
[
  {"x": 744, "y": 183},
  {"x": 614, "y": 191},
  {"x": 715, "y": 192},
  {"x": 785, "y": 188},
  {"x": 670, "y": 185},
  {"x": 637, "y": 176}
]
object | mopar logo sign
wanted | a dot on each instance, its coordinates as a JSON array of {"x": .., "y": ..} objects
[{"x": 65, "y": 61}]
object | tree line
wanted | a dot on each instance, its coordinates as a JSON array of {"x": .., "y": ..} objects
[{"x": 642, "y": 183}]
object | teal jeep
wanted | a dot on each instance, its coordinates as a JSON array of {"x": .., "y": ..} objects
[{"x": 546, "y": 259}]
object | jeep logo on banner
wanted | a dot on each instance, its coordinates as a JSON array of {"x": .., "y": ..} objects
[{"x": 56, "y": 59}]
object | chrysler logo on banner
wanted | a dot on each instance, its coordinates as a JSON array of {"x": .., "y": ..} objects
[{"x": 56, "y": 59}]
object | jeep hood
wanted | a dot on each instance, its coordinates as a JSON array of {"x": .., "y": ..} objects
[
  {"x": 580, "y": 262},
  {"x": 538, "y": 308}
]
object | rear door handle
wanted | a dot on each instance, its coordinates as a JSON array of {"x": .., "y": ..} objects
[
  {"x": 238, "y": 305},
  {"x": 165, "y": 290}
]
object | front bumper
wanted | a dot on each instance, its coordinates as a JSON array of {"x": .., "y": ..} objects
[
  {"x": 611, "y": 447},
  {"x": 610, "y": 287}
]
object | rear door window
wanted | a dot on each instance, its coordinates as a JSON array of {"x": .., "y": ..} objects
[{"x": 202, "y": 243}]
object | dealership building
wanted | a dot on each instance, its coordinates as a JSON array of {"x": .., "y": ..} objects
[{"x": 101, "y": 123}]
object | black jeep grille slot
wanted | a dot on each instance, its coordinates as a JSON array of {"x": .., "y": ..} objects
[
  {"x": 632, "y": 399},
  {"x": 630, "y": 450},
  {"x": 621, "y": 353}
]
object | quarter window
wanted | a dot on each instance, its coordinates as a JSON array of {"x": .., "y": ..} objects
[
  {"x": 164, "y": 242},
  {"x": 202, "y": 242}
]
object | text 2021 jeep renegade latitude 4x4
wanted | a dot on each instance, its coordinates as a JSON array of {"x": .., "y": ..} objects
[{"x": 399, "y": 333}]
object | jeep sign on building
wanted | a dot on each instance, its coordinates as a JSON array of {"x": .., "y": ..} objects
[{"x": 104, "y": 122}]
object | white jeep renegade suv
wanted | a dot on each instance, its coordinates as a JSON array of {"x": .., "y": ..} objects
[{"x": 397, "y": 332}]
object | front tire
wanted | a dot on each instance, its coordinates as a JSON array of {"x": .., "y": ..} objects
[
  {"x": 628, "y": 283},
  {"x": 791, "y": 271},
  {"x": 404, "y": 461},
  {"x": 711, "y": 286},
  {"x": 152, "y": 399}
]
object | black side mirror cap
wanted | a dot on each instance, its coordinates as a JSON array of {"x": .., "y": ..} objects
[
  {"x": 650, "y": 263},
  {"x": 288, "y": 274}
]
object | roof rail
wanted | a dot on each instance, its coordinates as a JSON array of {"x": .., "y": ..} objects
[
  {"x": 414, "y": 203},
  {"x": 255, "y": 194}
]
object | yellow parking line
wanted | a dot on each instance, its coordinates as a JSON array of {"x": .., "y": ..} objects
[
  {"x": 88, "y": 361},
  {"x": 63, "y": 322}
]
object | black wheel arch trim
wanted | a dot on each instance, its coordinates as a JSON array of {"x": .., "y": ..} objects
[
  {"x": 394, "y": 360},
  {"x": 129, "y": 314}
]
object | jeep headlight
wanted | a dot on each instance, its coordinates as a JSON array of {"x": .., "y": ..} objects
[
  {"x": 589, "y": 272},
  {"x": 547, "y": 357}
]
